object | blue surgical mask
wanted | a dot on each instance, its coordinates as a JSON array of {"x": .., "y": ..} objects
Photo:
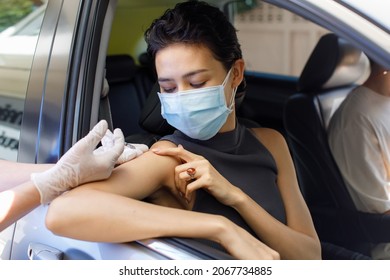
[{"x": 198, "y": 113}]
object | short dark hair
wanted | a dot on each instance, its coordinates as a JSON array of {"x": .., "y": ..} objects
[{"x": 198, "y": 23}]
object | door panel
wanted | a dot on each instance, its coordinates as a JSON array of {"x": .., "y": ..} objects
[
  {"x": 65, "y": 92},
  {"x": 17, "y": 45}
]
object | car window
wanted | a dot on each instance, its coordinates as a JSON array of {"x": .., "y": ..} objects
[
  {"x": 18, "y": 40},
  {"x": 375, "y": 10},
  {"x": 286, "y": 39}
]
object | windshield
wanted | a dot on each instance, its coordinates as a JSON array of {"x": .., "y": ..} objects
[{"x": 376, "y": 11}]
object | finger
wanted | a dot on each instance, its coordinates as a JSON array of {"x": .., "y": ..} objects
[
  {"x": 142, "y": 147},
  {"x": 179, "y": 152},
  {"x": 108, "y": 139},
  {"x": 88, "y": 143},
  {"x": 184, "y": 175},
  {"x": 128, "y": 154},
  {"x": 180, "y": 185},
  {"x": 96, "y": 134},
  {"x": 139, "y": 149},
  {"x": 119, "y": 143},
  {"x": 190, "y": 188},
  {"x": 188, "y": 183},
  {"x": 182, "y": 168}
]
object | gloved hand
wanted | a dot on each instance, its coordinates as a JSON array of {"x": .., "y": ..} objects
[
  {"x": 130, "y": 151},
  {"x": 81, "y": 164}
]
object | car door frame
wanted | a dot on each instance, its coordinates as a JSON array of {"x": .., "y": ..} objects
[{"x": 62, "y": 104}]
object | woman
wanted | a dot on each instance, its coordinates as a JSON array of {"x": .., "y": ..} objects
[{"x": 240, "y": 182}]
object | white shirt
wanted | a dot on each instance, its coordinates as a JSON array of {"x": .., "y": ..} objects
[{"x": 359, "y": 138}]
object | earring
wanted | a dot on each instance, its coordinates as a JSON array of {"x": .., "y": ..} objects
[{"x": 385, "y": 72}]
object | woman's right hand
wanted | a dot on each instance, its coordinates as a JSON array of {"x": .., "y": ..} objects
[{"x": 204, "y": 176}]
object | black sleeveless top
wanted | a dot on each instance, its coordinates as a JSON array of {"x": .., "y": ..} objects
[{"x": 245, "y": 162}]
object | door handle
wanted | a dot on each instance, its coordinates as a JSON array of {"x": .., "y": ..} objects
[{"x": 38, "y": 251}]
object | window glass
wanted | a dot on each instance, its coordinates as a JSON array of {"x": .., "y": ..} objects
[
  {"x": 20, "y": 23},
  {"x": 375, "y": 10},
  {"x": 275, "y": 40}
]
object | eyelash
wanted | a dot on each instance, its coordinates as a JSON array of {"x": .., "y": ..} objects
[
  {"x": 198, "y": 85},
  {"x": 170, "y": 90}
]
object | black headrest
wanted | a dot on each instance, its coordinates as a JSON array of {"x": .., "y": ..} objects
[
  {"x": 146, "y": 60},
  {"x": 120, "y": 68},
  {"x": 333, "y": 63},
  {"x": 151, "y": 119}
]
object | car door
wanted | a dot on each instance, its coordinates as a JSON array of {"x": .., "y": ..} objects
[
  {"x": 60, "y": 107},
  {"x": 20, "y": 26}
]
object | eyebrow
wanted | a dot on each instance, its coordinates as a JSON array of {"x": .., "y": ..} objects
[{"x": 184, "y": 76}]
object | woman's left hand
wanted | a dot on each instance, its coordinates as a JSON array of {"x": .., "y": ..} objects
[{"x": 196, "y": 172}]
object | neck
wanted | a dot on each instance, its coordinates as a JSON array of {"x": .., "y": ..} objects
[
  {"x": 230, "y": 123},
  {"x": 379, "y": 84}
]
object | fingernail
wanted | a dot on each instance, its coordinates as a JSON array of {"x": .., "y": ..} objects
[{"x": 155, "y": 150}]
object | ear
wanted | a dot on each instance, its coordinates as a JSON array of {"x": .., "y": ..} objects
[{"x": 238, "y": 72}]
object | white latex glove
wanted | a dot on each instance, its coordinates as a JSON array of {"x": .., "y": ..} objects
[
  {"x": 130, "y": 151},
  {"x": 81, "y": 164}
]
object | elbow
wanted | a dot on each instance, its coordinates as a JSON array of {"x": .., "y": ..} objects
[
  {"x": 315, "y": 252},
  {"x": 318, "y": 255},
  {"x": 56, "y": 218},
  {"x": 274, "y": 255}
]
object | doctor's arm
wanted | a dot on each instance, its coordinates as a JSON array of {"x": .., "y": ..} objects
[{"x": 81, "y": 164}]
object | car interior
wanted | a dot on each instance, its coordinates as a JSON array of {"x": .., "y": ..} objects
[
  {"x": 300, "y": 108},
  {"x": 332, "y": 71},
  {"x": 297, "y": 101}
]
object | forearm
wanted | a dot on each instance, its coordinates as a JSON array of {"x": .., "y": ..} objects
[
  {"x": 15, "y": 173},
  {"x": 290, "y": 243},
  {"x": 17, "y": 202},
  {"x": 94, "y": 215},
  {"x": 104, "y": 217}
]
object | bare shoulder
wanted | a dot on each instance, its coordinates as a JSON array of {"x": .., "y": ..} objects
[
  {"x": 276, "y": 144},
  {"x": 163, "y": 144},
  {"x": 150, "y": 161},
  {"x": 158, "y": 162},
  {"x": 272, "y": 139}
]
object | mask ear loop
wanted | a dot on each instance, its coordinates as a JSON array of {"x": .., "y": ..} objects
[
  {"x": 234, "y": 91},
  {"x": 227, "y": 77},
  {"x": 233, "y": 96}
]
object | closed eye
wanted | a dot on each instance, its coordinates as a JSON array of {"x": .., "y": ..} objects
[
  {"x": 198, "y": 85},
  {"x": 168, "y": 90}
]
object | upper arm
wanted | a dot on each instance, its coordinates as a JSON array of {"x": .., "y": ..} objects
[
  {"x": 141, "y": 176},
  {"x": 297, "y": 213}
]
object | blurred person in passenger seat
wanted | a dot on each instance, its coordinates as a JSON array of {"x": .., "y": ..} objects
[{"x": 359, "y": 138}]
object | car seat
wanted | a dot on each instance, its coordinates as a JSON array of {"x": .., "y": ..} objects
[
  {"x": 331, "y": 72},
  {"x": 129, "y": 86}
]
